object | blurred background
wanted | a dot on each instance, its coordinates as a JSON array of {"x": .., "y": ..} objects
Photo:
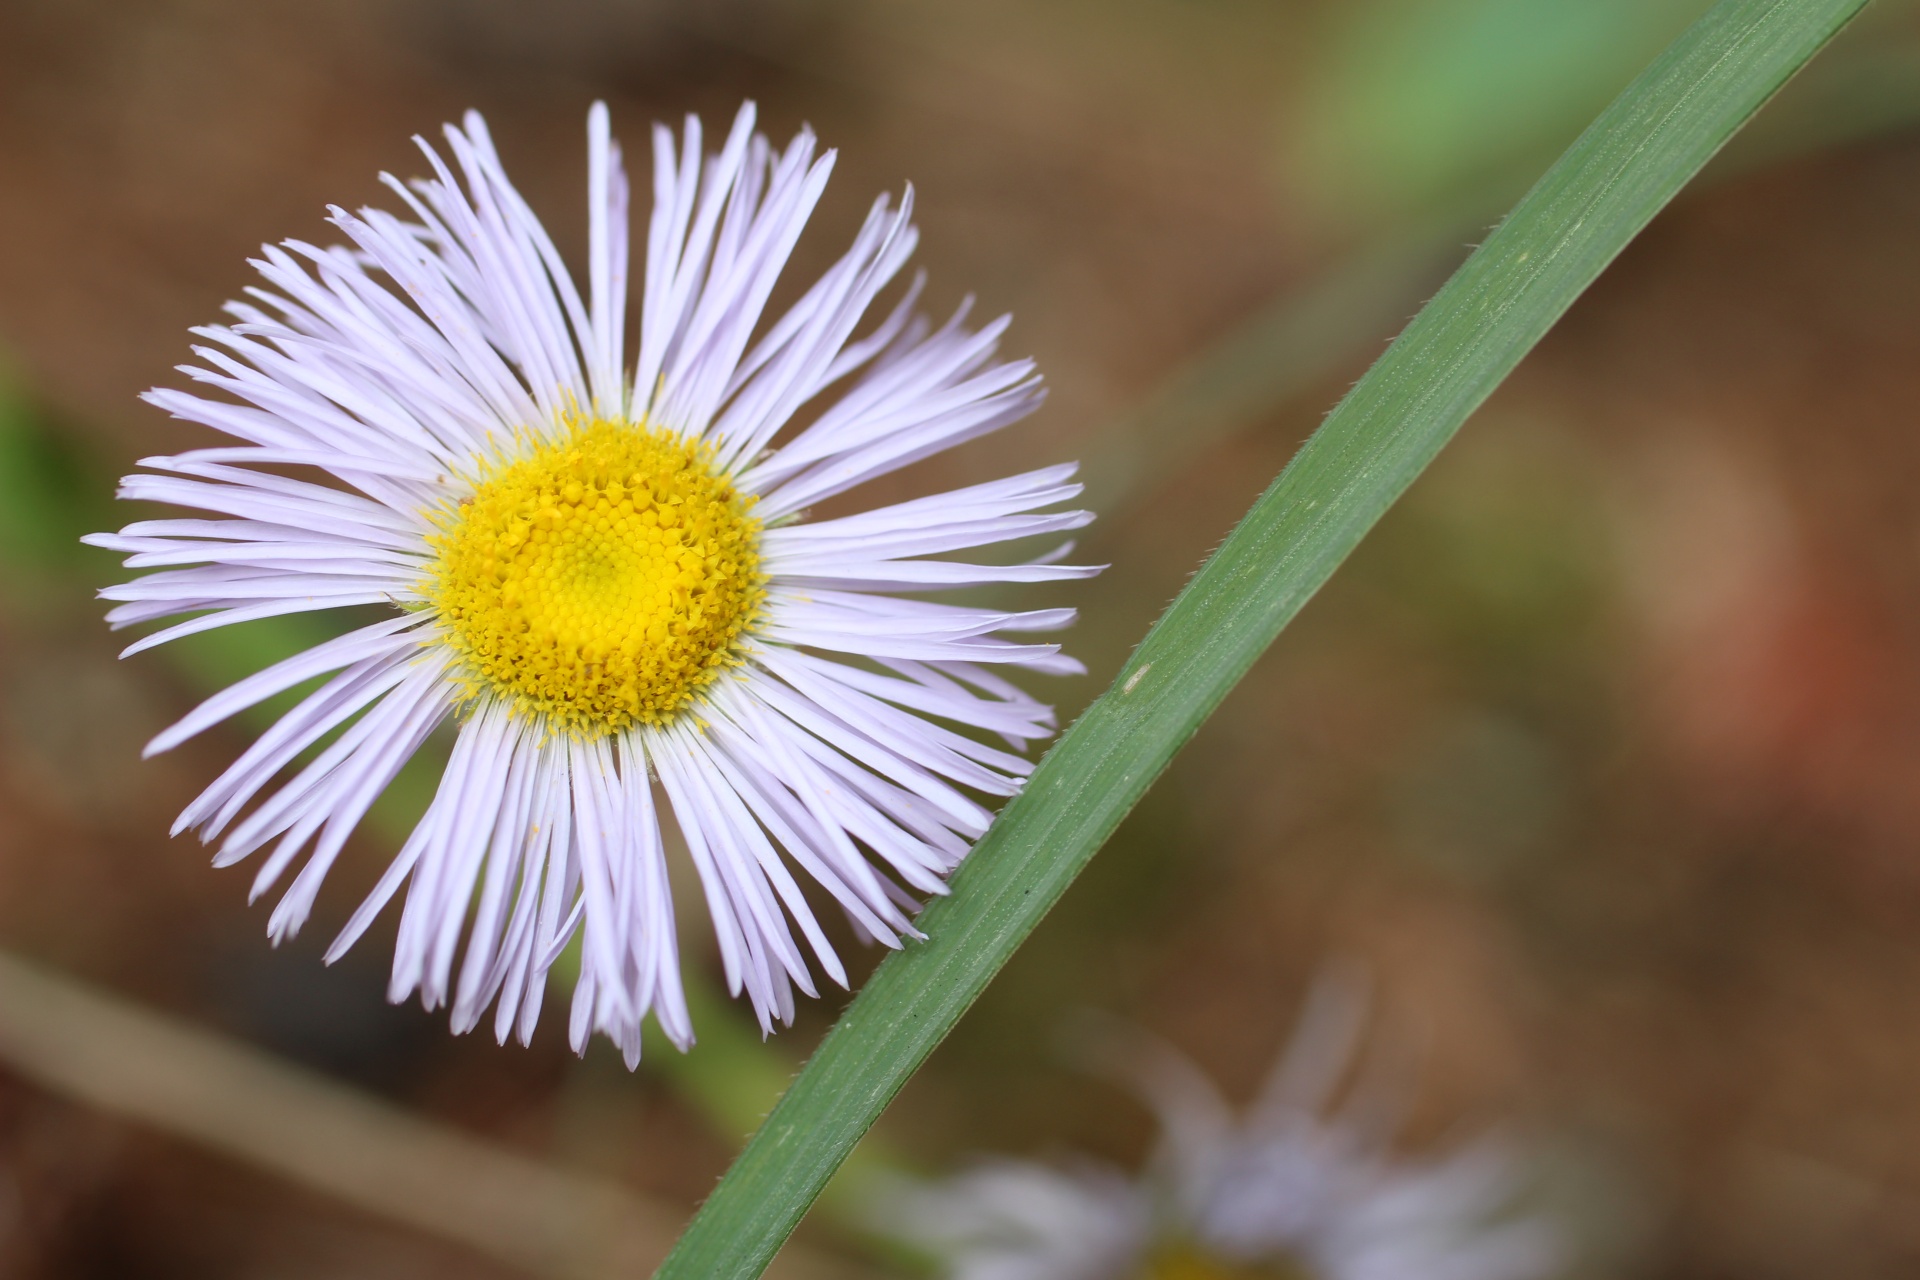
[{"x": 1602, "y": 754}]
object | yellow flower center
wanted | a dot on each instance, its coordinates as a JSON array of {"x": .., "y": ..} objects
[
  {"x": 1185, "y": 1262},
  {"x": 598, "y": 579}
]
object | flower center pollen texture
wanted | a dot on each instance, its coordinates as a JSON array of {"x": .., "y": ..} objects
[{"x": 598, "y": 579}]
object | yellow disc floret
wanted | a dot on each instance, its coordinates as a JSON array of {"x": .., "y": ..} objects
[{"x": 599, "y": 578}]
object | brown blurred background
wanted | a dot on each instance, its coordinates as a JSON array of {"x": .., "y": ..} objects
[{"x": 1603, "y": 753}]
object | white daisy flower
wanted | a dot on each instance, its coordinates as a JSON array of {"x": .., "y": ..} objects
[
  {"x": 602, "y": 574},
  {"x": 1285, "y": 1191}
]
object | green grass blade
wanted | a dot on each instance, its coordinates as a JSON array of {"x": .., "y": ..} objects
[{"x": 1608, "y": 185}]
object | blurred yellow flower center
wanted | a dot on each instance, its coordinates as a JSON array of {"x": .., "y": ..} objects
[
  {"x": 1185, "y": 1262},
  {"x": 598, "y": 579}
]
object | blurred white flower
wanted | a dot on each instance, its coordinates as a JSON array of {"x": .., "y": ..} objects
[
  {"x": 601, "y": 571},
  {"x": 1291, "y": 1189}
]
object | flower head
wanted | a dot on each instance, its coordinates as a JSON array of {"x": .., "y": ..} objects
[
  {"x": 600, "y": 573},
  {"x": 1285, "y": 1191}
]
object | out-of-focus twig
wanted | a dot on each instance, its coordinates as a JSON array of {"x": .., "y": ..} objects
[
  {"x": 1296, "y": 342},
  {"x": 1287, "y": 347},
  {"x": 141, "y": 1065}
]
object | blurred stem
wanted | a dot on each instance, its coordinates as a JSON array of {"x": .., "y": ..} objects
[{"x": 143, "y": 1066}]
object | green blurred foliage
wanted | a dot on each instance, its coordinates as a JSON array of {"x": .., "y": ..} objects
[
  {"x": 1498, "y": 558},
  {"x": 1453, "y": 105},
  {"x": 1498, "y": 564},
  {"x": 49, "y": 497}
]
